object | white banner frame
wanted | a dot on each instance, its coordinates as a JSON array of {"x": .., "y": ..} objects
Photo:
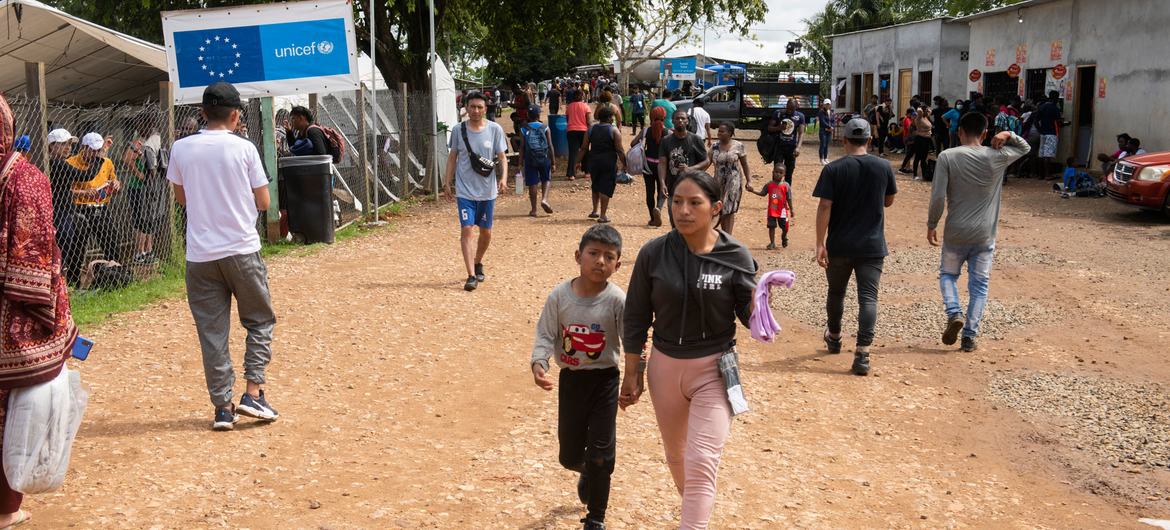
[{"x": 260, "y": 15}]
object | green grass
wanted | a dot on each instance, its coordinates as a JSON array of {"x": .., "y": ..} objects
[{"x": 92, "y": 308}]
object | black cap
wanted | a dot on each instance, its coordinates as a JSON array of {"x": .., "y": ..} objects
[{"x": 222, "y": 94}]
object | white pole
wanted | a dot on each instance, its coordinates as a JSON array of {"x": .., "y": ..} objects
[
  {"x": 374, "y": 107},
  {"x": 434, "y": 103}
]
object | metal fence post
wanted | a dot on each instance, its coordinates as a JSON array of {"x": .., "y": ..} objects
[
  {"x": 268, "y": 126},
  {"x": 166, "y": 102},
  {"x": 403, "y": 145},
  {"x": 363, "y": 154},
  {"x": 38, "y": 126}
]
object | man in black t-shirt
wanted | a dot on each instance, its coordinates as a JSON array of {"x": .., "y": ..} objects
[
  {"x": 854, "y": 192},
  {"x": 301, "y": 136},
  {"x": 679, "y": 151},
  {"x": 787, "y": 126},
  {"x": 553, "y": 97}
]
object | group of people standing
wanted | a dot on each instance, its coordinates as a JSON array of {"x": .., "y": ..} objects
[{"x": 926, "y": 128}]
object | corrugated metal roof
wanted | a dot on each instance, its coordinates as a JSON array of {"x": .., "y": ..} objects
[{"x": 84, "y": 63}]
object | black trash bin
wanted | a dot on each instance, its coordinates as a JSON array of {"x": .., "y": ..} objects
[{"x": 306, "y": 184}]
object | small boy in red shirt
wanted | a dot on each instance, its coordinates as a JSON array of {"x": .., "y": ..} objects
[{"x": 779, "y": 208}]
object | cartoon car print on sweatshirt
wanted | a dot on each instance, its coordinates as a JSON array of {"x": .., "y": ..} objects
[{"x": 589, "y": 340}]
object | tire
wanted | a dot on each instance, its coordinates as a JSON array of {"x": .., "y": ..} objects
[{"x": 1166, "y": 205}]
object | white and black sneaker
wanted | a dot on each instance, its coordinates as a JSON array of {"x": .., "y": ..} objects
[{"x": 257, "y": 407}]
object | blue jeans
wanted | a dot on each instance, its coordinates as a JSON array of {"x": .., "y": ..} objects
[
  {"x": 978, "y": 259},
  {"x": 826, "y": 139}
]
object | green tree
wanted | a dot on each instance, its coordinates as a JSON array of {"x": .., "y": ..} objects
[{"x": 573, "y": 33}]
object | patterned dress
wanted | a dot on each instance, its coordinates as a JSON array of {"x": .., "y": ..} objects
[{"x": 727, "y": 172}]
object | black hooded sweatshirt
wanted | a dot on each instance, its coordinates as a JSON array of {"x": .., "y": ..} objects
[{"x": 691, "y": 300}]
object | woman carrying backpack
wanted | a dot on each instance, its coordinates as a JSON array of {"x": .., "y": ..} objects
[
  {"x": 536, "y": 157},
  {"x": 655, "y": 190},
  {"x": 604, "y": 144}
]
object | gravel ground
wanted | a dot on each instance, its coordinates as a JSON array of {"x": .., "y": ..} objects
[
  {"x": 906, "y": 310},
  {"x": 1123, "y": 422}
]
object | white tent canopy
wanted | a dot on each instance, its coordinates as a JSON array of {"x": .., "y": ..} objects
[{"x": 84, "y": 63}]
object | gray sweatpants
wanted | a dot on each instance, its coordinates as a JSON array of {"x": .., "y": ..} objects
[{"x": 210, "y": 287}]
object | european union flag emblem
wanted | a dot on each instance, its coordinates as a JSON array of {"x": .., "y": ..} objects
[{"x": 224, "y": 54}]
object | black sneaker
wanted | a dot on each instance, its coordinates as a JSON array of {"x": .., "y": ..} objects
[
  {"x": 860, "y": 364},
  {"x": 954, "y": 325},
  {"x": 833, "y": 345},
  {"x": 471, "y": 284},
  {"x": 257, "y": 407},
  {"x": 590, "y": 524},
  {"x": 225, "y": 419},
  {"x": 784, "y": 242},
  {"x": 583, "y": 491},
  {"x": 968, "y": 344},
  {"x": 479, "y": 272}
]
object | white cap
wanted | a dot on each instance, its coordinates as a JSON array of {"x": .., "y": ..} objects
[
  {"x": 57, "y": 136},
  {"x": 93, "y": 141}
]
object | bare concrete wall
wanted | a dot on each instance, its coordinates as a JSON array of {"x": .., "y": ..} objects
[
  {"x": 931, "y": 45},
  {"x": 1126, "y": 40}
]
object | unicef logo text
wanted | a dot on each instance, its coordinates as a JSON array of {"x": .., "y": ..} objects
[{"x": 324, "y": 48}]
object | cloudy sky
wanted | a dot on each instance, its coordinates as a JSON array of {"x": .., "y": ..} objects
[{"x": 783, "y": 19}]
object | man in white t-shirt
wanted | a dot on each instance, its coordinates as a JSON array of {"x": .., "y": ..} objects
[
  {"x": 220, "y": 178},
  {"x": 702, "y": 121}
]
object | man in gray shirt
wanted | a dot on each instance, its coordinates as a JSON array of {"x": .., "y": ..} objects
[
  {"x": 476, "y": 191},
  {"x": 968, "y": 181}
]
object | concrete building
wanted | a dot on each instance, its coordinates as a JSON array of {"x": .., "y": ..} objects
[
  {"x": 926, "y": 58},
  {"x": 1110, "y": 61}
]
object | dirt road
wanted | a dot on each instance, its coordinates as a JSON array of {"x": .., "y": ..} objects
[{"x": 407, "y": 403}]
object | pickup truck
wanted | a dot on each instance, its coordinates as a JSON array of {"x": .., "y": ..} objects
[
  {"x": 1142, "y": 181},
  {"x": 745, "y": 102}
]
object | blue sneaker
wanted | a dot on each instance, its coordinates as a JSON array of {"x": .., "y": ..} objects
[
  {"x": 257, "y": 407},
  {"x": 225, "y": 419}
]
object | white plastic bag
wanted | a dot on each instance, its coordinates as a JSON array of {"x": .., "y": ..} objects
[
  {"x": 41, "y": 424},
  {"x": 636, "y": 160}
]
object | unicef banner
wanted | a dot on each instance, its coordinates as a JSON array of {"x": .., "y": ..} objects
[{"x": 265, "y": 50}]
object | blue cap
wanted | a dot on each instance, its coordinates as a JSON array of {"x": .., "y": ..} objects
[
  {"x": 534, "y": 110},
  {"x": 22, "y": 144}
]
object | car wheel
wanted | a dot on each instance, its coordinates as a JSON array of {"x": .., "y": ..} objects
[{"x": 1166, "y": 204}]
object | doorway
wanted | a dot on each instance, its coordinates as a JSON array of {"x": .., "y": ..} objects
[
  {"x": 905, "y": 90},
  {"x": 926, "y": 86},
  {"x": 883, "y": 87},
  {"x": 867, "y": 91},
  {"x": 855, "y": 94},
  {"x": 1083, "y": 117}
]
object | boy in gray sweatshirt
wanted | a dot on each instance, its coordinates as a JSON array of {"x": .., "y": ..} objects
[
  {"x": 581, "y": 325},
  {"x": 968, "y": 181}
]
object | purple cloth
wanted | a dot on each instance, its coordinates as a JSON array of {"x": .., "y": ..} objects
[{"x": 763, "y": 324}]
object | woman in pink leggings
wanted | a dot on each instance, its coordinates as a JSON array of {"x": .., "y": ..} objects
[{"x": 690, "y": 285}]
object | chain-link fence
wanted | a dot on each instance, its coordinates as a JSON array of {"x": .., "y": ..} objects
[
  {"x": 114, "y": 211},
  {"x": 112, "y": 207},
  {"x": 397, "y": 142}
]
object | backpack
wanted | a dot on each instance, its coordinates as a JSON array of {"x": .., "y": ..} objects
[
  {"x": 335, "y": 142},
  {"x": 111, "y": 275},
  {"x": 535, "y": 145},
  {"x": 692, "y": 127}
]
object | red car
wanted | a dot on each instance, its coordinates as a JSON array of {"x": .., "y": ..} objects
[
  {"x": 1142, "y": 181},
  {"x": 582, "y": 339}
]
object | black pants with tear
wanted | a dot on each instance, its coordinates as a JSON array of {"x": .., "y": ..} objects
[{"x": 586, "y": 428}]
